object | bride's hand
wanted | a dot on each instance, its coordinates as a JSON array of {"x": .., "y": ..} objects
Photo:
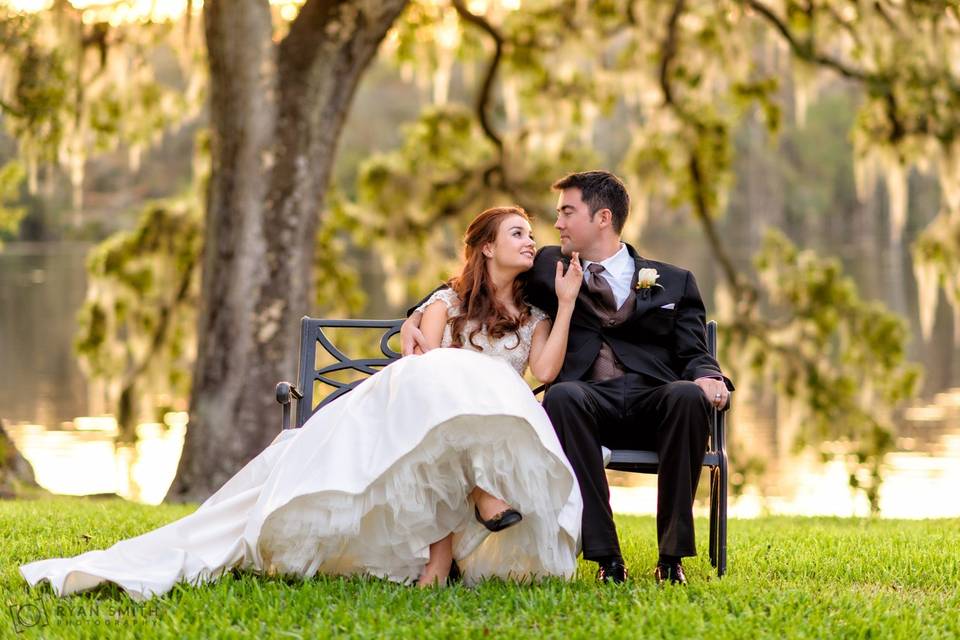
[
  {"x": 412, "y": 340},
  {"x": 568, "y": 284}
]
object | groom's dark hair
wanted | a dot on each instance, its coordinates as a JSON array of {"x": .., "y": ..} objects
[{"x": 600, "y": 190}]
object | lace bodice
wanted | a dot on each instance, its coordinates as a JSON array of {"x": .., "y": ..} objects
[{"x": 506, "y": 348}]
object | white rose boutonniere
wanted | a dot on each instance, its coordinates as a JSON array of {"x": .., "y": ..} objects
[{"x": 647, "y": 280}]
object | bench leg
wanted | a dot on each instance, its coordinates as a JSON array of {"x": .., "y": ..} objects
[
  {"x": 722, "y": 516},
  {"x": 714, "y": 509}
]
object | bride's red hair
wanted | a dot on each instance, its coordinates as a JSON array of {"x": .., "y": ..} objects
[{"x": 475, "y": 289}]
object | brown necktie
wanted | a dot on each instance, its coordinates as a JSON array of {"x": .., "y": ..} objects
[{"x": 599, "y": 288}]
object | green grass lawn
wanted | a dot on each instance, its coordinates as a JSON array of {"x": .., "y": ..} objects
[{"x": 789, "y": 577}]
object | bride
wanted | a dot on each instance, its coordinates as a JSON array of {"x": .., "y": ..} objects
[{"x": 441, "y": 456}]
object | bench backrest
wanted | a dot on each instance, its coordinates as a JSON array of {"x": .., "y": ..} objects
[{"x": 312, "y": 333}]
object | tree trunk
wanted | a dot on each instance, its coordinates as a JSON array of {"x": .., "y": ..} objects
[
  {"x": 276, "y": 116},
  {"x": 16, "y": 474}
]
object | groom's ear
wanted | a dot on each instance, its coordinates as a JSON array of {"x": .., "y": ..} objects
[{"x": 606, "y": 216}]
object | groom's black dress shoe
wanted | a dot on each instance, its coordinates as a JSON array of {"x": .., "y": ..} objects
[
  {"x": 501, "y": 521},
  {"x": 614, "y": 572},
  {"x": 670, "y": 571}
]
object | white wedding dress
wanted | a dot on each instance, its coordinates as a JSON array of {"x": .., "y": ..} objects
[{"x": 370, "y": 481}]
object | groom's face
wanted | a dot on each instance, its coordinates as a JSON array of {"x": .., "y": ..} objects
[{"x": 578, "y": 229}]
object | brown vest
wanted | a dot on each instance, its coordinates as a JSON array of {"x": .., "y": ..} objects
[{"x": 607, "y": 366}]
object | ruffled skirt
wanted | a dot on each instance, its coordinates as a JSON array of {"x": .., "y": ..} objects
[{"x": 366, "y": 485}]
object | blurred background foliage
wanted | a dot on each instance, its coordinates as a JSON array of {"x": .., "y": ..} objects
[{"x": 796, "y": 114}]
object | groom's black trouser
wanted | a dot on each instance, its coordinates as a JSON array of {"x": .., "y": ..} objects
[{"x": 633, "y": 412}]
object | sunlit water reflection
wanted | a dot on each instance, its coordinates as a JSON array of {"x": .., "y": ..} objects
[
  {"x": 84, "y": 459},
  {"x": 915, "y": 486},
  {"x": 41, "y": 287}
]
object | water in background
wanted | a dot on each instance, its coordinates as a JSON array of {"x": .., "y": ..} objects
[
  {"x": 57, "y": 418},
  {"x": 41, "y": 290}
]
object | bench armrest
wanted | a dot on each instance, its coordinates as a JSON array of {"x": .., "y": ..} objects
[{"x": 284, "y": 392}]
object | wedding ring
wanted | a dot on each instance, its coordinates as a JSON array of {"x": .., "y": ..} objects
[{"x": 717, "y": 396}]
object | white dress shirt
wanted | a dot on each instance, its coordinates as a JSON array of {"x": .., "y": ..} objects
[{"x": 618, "y": 271}]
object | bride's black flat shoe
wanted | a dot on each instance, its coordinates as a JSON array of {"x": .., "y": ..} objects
[{"x": 501, "y": 521}]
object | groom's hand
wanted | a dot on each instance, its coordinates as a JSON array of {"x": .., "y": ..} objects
[
  {"x": 412, "y": 339},
  {"x": 715, "y": 390}
]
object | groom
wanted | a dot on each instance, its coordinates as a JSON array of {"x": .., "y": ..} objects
[{"x": 636, "y": 375}]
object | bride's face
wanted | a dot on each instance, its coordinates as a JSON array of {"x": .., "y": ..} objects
[{"x": 514, "y": 247}]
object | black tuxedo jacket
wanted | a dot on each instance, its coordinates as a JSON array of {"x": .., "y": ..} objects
[{"x": 666, "y": 344}]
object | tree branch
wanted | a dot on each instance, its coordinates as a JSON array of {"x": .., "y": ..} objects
[
  {"x": 157, "y": 342},
  {"x": 806, "y": 51},
  {"x": 880, "y": 85},
  {"x": 300, "y": 47},
  {"x": 483, "y": 98},
  {"x": 835, "y": 15},
  {"x": 702, "y": 211},
  {"x": 187, "y": 23},
  {"x": 669, "y": 50},
  {"x": 886, "y": 16},
  {"x": 9, "y": 108}
]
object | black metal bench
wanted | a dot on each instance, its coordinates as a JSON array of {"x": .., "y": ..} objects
[{"x": 312, "y": 332}]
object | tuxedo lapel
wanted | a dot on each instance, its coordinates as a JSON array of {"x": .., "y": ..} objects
[{"x": 646, "y": 300}]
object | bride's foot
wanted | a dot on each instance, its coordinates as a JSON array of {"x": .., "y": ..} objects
[
  {"x": 433, "y": 577},
  {"x": 488, "y": 506},
  {"x": 438, "y": 567},
  {"x": 492, "y": 512}
]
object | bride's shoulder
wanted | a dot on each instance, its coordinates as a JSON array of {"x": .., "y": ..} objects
[
  {"x": 446, "y": 295},
  {"x": 536, "y": 315}
]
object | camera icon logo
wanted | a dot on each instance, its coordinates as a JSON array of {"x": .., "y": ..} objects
[{"x": 28, "y": 614}]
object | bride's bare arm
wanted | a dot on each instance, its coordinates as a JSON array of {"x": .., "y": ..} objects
[
  {"x": 549, "y": 343},
  {"x": 432, "y": 324}
]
